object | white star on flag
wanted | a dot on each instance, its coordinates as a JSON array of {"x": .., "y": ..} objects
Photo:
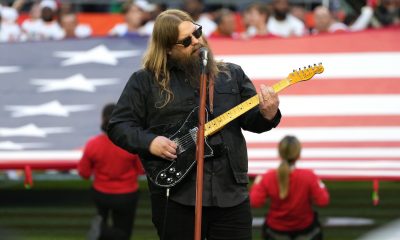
[
  {"x": 9, "y": 69},
  {"x": 53, "y": 108},
  {"x": 100, "y": 54},
  {"x": 8, "y": 145},
  {"x": 76, "y": 82},
  {"x": 31, "y": 130}
]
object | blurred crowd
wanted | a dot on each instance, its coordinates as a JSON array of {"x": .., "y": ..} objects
[{"x": 55, "y": 19}]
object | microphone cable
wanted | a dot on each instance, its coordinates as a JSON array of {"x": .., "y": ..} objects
[{"x": 164, "y": 225}]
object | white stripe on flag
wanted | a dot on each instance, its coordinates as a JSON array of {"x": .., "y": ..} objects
[
  {"x": 337, "y": 65},
  {"x": 342, "y": 105},
  {"x": 345, "y": 173},
  {"x": 328, "y": 134},
  {"x": 322, "y": 164},
  {"x": 33, "y": 156},
  {"x": 369, "y": 152},
  {"x": 359, "y": 173}
]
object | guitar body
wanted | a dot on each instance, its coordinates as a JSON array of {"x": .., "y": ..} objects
[{"x": 165, "y": 173}]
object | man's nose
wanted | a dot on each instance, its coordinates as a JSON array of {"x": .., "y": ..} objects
[{"x": 195, "y": 40}]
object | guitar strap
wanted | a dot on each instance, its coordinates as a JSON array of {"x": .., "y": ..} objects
[{"x": 211, "y": 94}]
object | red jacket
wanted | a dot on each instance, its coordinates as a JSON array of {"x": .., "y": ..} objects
[
  {"x": 115, "y": 170},
  {"x": 295, "y": 211}
]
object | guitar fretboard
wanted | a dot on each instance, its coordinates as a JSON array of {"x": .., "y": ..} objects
[{"x": 219, "y": 122}]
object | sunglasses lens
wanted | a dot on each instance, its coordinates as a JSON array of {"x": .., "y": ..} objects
[
  {"x": 187, "y": 41},
  {"x": 198, "y": 33}
]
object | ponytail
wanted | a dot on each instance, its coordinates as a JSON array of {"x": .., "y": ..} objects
[
  {"x": 283, "y": 179},
  {"x": 289, "y": 152}
]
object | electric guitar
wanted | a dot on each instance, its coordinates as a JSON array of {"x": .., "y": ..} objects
[{"x": 167, "y": 174}]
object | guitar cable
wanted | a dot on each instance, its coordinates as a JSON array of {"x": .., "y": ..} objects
[{"x": 165, "y": 215}]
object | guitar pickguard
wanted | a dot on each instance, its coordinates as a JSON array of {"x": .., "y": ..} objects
[{"x": 169, "y": 173}]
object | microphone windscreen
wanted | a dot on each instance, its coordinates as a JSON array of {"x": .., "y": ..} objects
[{"x": 203, "y": 53}]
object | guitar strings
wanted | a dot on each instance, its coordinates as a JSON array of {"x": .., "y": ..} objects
[
  {"x": 187, "y": 144},
  {"x": 185, "y": 138},
  {"x": 183, "y": 141}
]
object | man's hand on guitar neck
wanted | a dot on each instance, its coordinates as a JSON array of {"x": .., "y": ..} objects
[
  {"x": 269, "y": 102},
  {"x": 163, "y": 147}
]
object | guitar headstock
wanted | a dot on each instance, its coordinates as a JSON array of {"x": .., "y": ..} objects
[{"x": 305, "y": 74}]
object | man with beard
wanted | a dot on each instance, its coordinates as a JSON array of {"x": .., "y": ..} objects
[
  {"x": 282, "y": 23},
  {"x": 164, "y": 93}
]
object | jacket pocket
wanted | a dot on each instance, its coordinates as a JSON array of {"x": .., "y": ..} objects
[
  {"x": 226, "y": 96},
  {"x": 227, "y": 88}
]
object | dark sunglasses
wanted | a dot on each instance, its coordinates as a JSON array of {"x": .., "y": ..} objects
[{"x": 188, "y": 40}]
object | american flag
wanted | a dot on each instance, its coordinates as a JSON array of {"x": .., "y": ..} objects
[
  {"x": 347, "y": 118},
  {"x": 52, "y": 95}
]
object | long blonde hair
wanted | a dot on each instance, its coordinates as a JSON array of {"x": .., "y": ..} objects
[
  {"x": 289, "y": 152},
  {"x": 164, "y": 37}
]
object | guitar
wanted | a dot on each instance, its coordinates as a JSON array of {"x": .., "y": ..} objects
[{"x": 167, "y": 174}]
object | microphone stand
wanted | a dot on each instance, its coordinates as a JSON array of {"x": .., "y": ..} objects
[{"x": 200, "y": 151}]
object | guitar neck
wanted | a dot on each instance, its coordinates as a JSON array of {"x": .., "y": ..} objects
[{"x": 219, "y": 122}]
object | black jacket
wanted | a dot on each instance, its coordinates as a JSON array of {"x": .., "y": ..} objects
[{"x": 135, "y": 114}]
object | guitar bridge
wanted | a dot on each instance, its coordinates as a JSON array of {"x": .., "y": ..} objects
[
  {"x": 180, "y": 149},
  {"x": 193, "y": 133}
]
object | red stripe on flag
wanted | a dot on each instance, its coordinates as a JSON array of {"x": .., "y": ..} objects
[
  {"x": 327, "y": 144},
  {"x": 339, "y": 86},
  {"x": 321, "y": 160},
  {"x": 59, "y": 164},
  {"x": 340, "y": 121},
  {"x": 374, "y": 40}
]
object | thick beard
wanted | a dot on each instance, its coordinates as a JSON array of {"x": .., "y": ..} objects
[{"x": 191, "y": 66}]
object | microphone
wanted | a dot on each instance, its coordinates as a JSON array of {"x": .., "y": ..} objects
[{"x": 204, "y": 55}]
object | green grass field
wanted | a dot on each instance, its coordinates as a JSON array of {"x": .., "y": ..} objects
[{"x": 62, "y": 210}]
